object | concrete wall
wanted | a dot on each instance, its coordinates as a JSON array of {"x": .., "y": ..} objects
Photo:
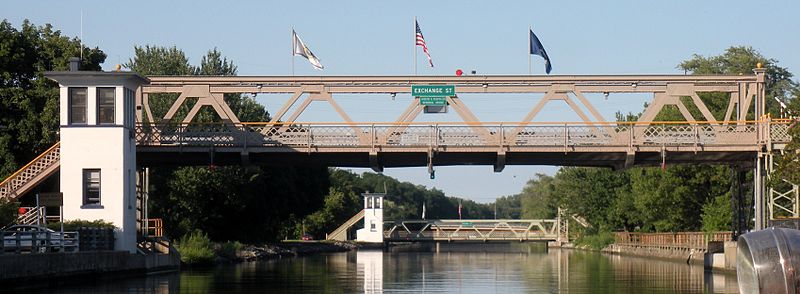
[
  {"x": 20, "y": 268},
  {"x": 672, "y": 252}
]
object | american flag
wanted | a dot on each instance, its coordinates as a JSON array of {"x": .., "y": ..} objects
[{"x": 421, "y": 42}]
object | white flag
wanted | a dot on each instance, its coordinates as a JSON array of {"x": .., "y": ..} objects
[{"x": 300, "y": 49}]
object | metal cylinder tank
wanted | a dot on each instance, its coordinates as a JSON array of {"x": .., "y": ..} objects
[{"x": 767, "y": 261}]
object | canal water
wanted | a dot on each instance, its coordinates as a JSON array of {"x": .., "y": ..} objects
[{"x": 536, "y": 271}]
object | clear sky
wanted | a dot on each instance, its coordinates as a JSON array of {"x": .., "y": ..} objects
[{"x": 377, "y": 38}]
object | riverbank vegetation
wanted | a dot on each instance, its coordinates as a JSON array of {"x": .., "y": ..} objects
[{"x": 255, "y": 204}]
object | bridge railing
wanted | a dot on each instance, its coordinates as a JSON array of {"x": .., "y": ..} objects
[
  {"x": 464, "y": 134},
  {"x": 681, "y": 239}
]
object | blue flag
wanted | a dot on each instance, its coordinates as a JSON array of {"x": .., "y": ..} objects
[{"x": 537, "y": 49}]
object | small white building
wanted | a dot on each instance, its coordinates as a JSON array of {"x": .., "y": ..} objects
[
  {"x": 373, "y": 219},
  {"x": 98, "y": 149}
]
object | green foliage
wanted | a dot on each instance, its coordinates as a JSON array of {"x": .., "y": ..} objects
[
  {"x": 234, "y": 203},
  {"x": 671, "y": 200},
  {"x": 717, "y": 214},
  {"x": 229, "y": 249},
  {"x": 537, "y": 199},
  {"x": 74, "y": 225},
  {"x": 590, "y": 193},
  {"x": 509, "y": 207},
  {"x": 596, "y": 241},
  {"x": 28, "y": 100},
  {"x": 195, "y": 249},
  {"x": 8, "y": 212}
]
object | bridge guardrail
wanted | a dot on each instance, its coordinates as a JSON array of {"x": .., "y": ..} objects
[
  {"x": 464, "y": 135},
  {"x": 697, "y": 240}
]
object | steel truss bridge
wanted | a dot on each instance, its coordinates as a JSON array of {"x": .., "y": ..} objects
[
  {"x": 454, "y": 230},
  {"x": 745, "y": 137}
]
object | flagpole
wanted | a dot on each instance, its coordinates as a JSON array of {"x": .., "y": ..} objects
[
  {"x": 292, "y": 55},
  {"x": 415, "y": 45},
  {"x": 529, "y": 49}
]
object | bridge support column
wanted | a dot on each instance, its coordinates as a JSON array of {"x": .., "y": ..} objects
[
  {"x": 374, "y": 162},
  {"x": 741, "y": 211},
  {"x": 759, "y": 176},
  {"x": 500, "y": 164}
]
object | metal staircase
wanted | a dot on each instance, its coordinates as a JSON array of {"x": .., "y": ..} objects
[
  {"x": 340, "y": 233},
  {"x": 33, "y": 173}
]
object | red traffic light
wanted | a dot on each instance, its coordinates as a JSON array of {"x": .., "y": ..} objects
[{"x": 459, "y": 72}]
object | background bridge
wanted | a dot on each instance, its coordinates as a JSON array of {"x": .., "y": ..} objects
[{"x": 475, "y": 230}]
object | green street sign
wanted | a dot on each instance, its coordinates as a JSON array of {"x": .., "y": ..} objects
[
  {"x": 433, "y": 101},
  {"x": 433, "y": 91}
]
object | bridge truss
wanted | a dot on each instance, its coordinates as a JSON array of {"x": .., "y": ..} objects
[{"x": 745, "y": 136}]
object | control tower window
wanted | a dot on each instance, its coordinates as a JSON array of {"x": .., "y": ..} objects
[
  {"x": 77, "y": 106},
  {"x": 105, "y": 105}
]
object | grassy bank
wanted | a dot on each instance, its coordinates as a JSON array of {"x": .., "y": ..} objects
[
  {"x": 197, "y": 249},
  {"x": 597, "y": 241}
]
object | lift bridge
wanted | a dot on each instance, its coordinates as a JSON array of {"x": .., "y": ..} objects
[{"x": 746, "y": 137}]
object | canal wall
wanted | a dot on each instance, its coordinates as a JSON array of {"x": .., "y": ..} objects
[
  {"x": 665, "y": 251},
  {"x": 20, "y": 269},
  {"x": 717, "y": 256}
]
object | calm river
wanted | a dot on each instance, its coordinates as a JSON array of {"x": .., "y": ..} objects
[{"x": 538, "y": 271}]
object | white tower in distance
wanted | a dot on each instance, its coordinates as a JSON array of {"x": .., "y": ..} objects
[
  {"x": 98, "y": 148},
  {"x": 373, "y": 219}
]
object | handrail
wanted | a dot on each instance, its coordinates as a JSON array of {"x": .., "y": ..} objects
[
  {"x": 346, "y": 225},
  {"x": 56, "y": 145}
]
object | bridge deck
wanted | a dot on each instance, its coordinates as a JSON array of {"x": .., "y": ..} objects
[{"x": 408, "y": 144}]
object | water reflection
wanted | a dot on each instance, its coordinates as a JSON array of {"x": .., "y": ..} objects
[
  {"x": 370, "y": 269},
  {"x": 531, "y": 270}
]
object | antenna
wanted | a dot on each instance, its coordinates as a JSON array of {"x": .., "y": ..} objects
[{"x": 81, "y": 40}]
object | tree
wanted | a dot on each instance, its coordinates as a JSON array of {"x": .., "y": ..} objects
[
  {"x": 28, "y": 100},
  {"x": 537, "y": 198}
]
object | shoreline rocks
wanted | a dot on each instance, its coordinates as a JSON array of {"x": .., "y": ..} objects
[{"x": 268, "y": 251}]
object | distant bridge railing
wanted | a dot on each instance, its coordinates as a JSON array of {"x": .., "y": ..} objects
[
  {"x": 471, "y": 230},
  {"x": 390, "y": 135},
  {"x": 697, "y": 240}
]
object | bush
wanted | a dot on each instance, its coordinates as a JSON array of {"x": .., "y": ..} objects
[
  {"x": 8, "y": 212},
  {"x": 74, "y": 225},
  {"x": 597, "y": 241},
  {"x": 195, "y": 249},
  {"x": 228, "y": 249}
]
